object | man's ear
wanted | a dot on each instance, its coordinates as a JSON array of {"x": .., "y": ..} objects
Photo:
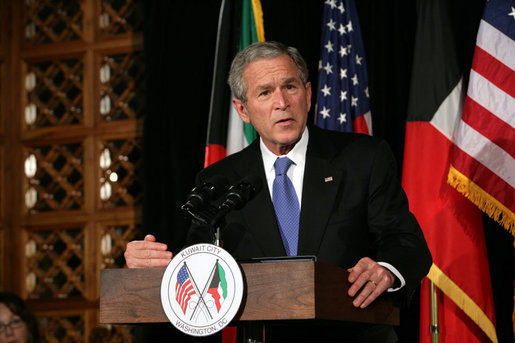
[
  {"x": 308, "y": 95},
  {"x": 239, "y": 106}
]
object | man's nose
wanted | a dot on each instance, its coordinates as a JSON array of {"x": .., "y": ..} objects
[{"x": 281, "y": 102}]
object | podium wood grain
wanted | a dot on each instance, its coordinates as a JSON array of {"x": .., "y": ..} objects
[
  {"x": 131, "y": 296},
  {"x": 273, "y": 291}
]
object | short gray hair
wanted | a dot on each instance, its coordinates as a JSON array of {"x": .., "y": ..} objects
[{"x": 256, "y": 51}]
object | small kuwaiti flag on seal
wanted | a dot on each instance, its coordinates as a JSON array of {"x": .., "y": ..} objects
[
  {"x": 183, "y": 288},
  {"x": 218, "y": 286}
]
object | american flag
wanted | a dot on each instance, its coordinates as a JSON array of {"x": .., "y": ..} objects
[
  {"x": 483, "y": 160},
  {"x": 343, "y": 96},
  {"x": 183, "y": 288}
]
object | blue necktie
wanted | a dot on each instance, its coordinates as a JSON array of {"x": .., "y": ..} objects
[{"x": 286, "y": 206}]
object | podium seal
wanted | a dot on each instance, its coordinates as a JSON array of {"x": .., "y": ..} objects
[{"x": 201, "y": 289}]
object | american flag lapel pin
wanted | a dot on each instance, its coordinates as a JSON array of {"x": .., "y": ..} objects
[{"x": 328, "y": 179}]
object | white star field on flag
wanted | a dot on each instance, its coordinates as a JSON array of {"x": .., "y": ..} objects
[{"x": 342, "y": 87}]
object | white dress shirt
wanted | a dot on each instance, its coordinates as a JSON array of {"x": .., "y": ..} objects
[{"x": 296, "y": 170}]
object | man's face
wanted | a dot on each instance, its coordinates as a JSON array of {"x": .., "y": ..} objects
[{"x": 277, "y": 102}]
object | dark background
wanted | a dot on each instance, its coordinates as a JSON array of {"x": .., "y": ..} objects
[{"x": 180, "y": 37}]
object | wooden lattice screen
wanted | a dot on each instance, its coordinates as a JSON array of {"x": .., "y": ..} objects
[{"x": 72, "y": 104}]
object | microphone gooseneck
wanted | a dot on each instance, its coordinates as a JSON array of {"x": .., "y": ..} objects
[
  {"x": 201, "y": 196},
  {"x": 237, "y": 196},
  {"x": 206, "y": 206}
]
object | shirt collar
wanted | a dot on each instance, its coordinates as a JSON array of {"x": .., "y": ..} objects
[{"x": 297, "y": 154}]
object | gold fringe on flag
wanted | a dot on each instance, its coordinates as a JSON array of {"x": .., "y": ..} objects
[
  {"x": 258, "y": 19},
  {"x": 463, "y": 301},
  {"x": 486, "y": 203}
]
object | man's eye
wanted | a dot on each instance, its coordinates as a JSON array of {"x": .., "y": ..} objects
[
  {"x": 264, "y": 93},
  {"x": 290, "y": 86}
]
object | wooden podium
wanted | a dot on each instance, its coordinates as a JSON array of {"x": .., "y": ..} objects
[{"x": 273, "y": 291}]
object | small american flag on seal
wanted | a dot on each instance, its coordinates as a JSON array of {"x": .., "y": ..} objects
[{"x": 183, "y": 288}]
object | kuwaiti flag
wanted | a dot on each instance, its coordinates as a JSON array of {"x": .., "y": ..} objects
[
  {"x": 343, "y": 96},
  {"x": 218, "y": 286},
  {"x": 452, "y": 225},
  {"x": 483, "y": 157},
  {"x": 227, "y": 133}
]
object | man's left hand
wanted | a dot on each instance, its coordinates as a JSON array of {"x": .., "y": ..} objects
[{"x": 372, "y": 277}]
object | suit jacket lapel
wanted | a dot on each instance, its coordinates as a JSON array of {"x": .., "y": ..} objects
[
  {"x": 259, "y": 214},
  {"x": 320, "y": 187}
]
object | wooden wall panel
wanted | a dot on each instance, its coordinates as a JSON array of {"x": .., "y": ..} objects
[{"x": 70, "y": 155}]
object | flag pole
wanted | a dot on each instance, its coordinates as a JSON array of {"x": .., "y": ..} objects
[{"x": 435, "y": 329}]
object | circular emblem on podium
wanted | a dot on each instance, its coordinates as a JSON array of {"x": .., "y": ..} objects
[{"x": 201, "y": 289}]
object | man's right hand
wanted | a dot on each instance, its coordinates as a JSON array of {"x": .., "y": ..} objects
[{"x": 147, "y": 253}]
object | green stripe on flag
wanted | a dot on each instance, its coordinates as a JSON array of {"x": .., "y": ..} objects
[
  {"x": 248, "y": 36},
  {"x": 223, "y": 281},
  {"x": 248, "y": 25}
]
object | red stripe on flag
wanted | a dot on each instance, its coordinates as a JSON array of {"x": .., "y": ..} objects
[
  {"x": 489, "y": 125},
  {"x": 179, "y": 290},
  {"x": 186, "y": 300},
  {"x": 216, "y": 296},
  {"x": 494, "y": 70},
  {"x": 483, "y": 177},
  {"x": 452, "y": 225},
  {"x": 454, "y": 323},
  {"x": 360, "y": 125},
  {"x": 214, "y": 153},
  {"x": 229, "y": 334},
  {"x": 184, "y": 294}
]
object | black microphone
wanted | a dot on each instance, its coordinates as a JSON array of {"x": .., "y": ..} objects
[
  {"x": 239, "y": 194},
  {"x": 200, "y": 196}
]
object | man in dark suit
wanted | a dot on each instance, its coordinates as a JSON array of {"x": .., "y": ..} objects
[{"x": 348, "y": 207}]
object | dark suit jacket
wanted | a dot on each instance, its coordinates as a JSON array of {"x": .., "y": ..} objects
[{"x": 352, "y": 206}]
